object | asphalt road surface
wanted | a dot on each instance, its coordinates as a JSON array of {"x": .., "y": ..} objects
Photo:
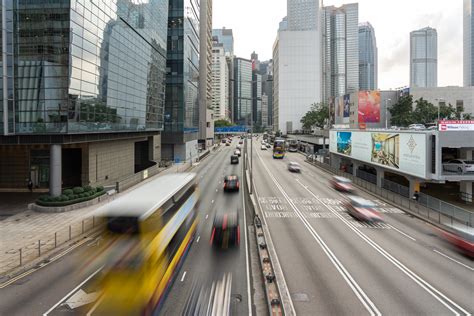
[
  {"x": 336, "y": 265},
  {"x": 59, "y": 289}
]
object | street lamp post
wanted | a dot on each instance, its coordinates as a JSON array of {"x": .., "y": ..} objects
[
  {"x": 386, "y": 108},
  {"x": 439, "y": 101}
]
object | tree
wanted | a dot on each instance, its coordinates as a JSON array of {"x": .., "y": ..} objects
[
  {"x": 424, "y": 112},
  {"x": 401, "y": 113},
  {"x": 316, "y": 117},
  {"x": 222, "y": 123}
]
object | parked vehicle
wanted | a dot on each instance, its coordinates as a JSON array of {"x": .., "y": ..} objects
[
  {"x": 459, "y": 165},
  {"x": 417, "y": 127}
]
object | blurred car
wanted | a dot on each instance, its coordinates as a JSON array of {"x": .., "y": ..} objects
[
  {"x": 459, "y": 236},
  {"x": 238, "y": 147},
  {"x": 268, "y": 145},
  {"x": 241, "y": 142},
  {"x": 234, "y": 159},
  {"x": 294, "y": 167},
  {"x": 459, "y": 166},
  {"x": 227, "y": 144},
  {"x": 363, "y": 209},
  {"x": 342, "y": 184},
  {"x": 417, "y": 127},
  {"x": 225, "y": 230},
  {"x": 433, "y": 128},
  {"x": 231, "y": 183},
  {"x": 237, "y": 152},
  {"x": 263, "y": 147},
  {"x": 224, "y": 140}
]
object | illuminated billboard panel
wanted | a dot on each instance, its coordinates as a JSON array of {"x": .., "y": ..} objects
[
  {"x": 369, "y": 107},
  {"x": 404, "y": 152}
]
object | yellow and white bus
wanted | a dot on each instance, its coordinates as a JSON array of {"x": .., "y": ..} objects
[{"x": 148, "y": 233}]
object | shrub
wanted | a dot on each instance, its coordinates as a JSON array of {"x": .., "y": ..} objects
[
  {"x": 100, "y": 188},
  {"x": 44, "y": 198},
  {"x": 68, "y": 192},
  {"x": 78, "y": 190},
  {"x": 87, "y": 188},
  {"x": 57, "y": 199},
  {"x": 93, "y": 190},
  {"x": 64, "y": 197}
]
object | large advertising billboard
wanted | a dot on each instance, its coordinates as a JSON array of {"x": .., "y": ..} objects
[
  {"x": 403, "y": 152},
  {"x": 369, "y": 107}
]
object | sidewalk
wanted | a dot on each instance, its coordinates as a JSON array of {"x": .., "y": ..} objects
[{"x": 38, "y": 233}]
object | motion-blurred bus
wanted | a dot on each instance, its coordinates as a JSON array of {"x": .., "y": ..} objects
[
  {"x": 293, "y": 145},
  {"x": 148, "y": 233},
  {"x": 279, "y": 148}
]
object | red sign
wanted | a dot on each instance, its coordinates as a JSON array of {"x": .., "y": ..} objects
[{"x": 456, "y": 125}]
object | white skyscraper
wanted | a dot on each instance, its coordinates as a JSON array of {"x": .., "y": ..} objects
[
  {"x": 296, "y": 65},
  {"x": 468, "y": 42},
  {"x": 340, "y": 40},
  {"x": 220, "y": 82},
  {"x": 424, "y": 58}
]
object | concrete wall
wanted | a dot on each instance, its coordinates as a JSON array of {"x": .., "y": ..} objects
[
  {"x": 110, "y": 161},
  {"x": 447, "y": 95},
  {"x": 154, "y": 148}
]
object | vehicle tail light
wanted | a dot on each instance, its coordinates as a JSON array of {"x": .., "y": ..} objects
[
  {"x": 224, "y": 223},
  {"x": 238, "y": 184},
  {"x": 212, "y": 236},
  {"x": 225, "y": 185}
]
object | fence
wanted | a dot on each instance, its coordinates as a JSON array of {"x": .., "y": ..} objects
[
  {"x": 15, "y": 258},
  {"x": 426, "y": 206},
  {"x": 395, "y": 187}
]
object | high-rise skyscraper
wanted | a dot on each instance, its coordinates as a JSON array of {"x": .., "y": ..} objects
[
  {"x": 424, "y": 58},
  {"x": 368, "y": 64},
  {"x": 296, "y": 65},
  {"x": 206, "y": 122},
  {"x": 468, "y": 42},
  {"x": 220, "y": 82},
  {"x": 180, "y": 137},
  {"x": 340, "y": 50},
  {"x": 226, "y": 37},
  {"x": 302, "y": 14},
  {"x": 242, "y": 91}
]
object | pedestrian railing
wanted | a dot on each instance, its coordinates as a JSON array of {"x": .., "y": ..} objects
[
  {"x": 18, "y": 257},
  {"x": 427, "y": 206}
]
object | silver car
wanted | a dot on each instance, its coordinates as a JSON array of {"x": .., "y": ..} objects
[
  {"x": 294, "y": 167},
  {"x": 459, "y": 165}
]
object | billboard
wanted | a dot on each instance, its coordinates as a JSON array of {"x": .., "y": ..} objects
[
  {"x": 456, "y": 125},
  {"x": 231, "y": 129},
  {"x": 347, "y": 105},
  {"x": 369, "y": 107},
  {"x": 403, "y": 152}
]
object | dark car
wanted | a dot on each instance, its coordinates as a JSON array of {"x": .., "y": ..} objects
[
  {"x": 225, "y": 230},
  {"x": 241, "y": 142},
  {"x": 362, "y": 209},
  {"x": 231, "y": 183},
  {"x": 234, "y": 159}
]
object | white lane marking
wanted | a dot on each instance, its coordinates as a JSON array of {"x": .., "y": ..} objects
[
  {"x": 363, "y": 298},
  {"x": 197, "y": 240},
  {"x": 404, "y": 234},
  {"x": 184, "y": 275},
  {"x": 24, "y": 274},
  {"x": 73, "y": 291},
  {"x": 452, "y": 259},
  {"x": 212, "y": 201},
  {"x": 249, "y": 296},
  {"x": 217, "y": 190},
  {"x": 207, "y": 215},
  {"x": 440, "y": 297}
]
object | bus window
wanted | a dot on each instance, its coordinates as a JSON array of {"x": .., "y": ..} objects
[{"x": 123, "y": 225}]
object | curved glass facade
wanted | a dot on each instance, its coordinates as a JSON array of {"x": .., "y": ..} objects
[{"x": 83, "y": 66}]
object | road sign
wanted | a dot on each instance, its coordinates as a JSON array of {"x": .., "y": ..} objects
[{"x": 231, "y": 129}]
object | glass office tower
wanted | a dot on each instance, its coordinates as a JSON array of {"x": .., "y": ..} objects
[
  {"x": 367, "y": 57},
  {"x": 75, "y": 68},
  {"x": 242, "y": 91},
  {"x": 424, "y": 58}
]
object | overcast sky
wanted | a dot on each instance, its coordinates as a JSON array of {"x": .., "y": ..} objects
[{"x": 255, "y": 24}]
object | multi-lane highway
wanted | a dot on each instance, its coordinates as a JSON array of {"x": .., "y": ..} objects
[
  {"x": 58, "y": 288},
  {"x": 331, "y": 263},
  {"x": 335, "y": 265}
]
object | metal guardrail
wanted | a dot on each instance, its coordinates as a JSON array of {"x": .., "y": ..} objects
[
  {"x": 18, "y": 257},
  {"x": 427, "y": 206}
]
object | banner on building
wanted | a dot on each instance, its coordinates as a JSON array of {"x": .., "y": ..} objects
[
  {"x": 369, "y": 107},
  {"x": 456, "y": 125}
]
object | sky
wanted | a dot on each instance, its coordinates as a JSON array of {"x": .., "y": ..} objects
[{"x": 255, "y": 24}]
